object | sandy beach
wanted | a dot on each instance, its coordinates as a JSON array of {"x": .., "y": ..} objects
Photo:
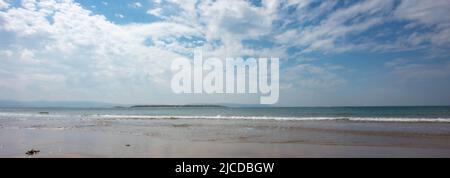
[
  {"x": 163, "y": 138},
  {"x": 224, "y": 79}
]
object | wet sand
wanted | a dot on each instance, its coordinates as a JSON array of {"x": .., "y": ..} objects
[{"x": 164, "y": 138}]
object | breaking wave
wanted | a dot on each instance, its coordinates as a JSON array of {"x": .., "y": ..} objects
[
  {"x": 355, "y": 119},
  {"x": 22, "y": 116}
]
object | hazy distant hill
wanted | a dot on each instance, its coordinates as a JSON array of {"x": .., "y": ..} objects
[
  {"x": 71, "y": 104},
  {"x": 179, "y": 106},
  {"x": 91, "y": 104},
  {"x": 235, "y": 105}
]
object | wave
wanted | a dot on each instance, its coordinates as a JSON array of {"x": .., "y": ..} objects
[
  {"x": 171, "y": 117},
  {"x": 355, "y": 119},
  {"x": 42, "y": 116}
]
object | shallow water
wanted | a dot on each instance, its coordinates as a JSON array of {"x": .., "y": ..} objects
[{"x": 226, "y": 132}]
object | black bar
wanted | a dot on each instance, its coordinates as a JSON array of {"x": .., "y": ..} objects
[{"x": 167, "y": 167}]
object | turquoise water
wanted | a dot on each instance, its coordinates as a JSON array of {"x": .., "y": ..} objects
[{"x": 411, "y": 114}]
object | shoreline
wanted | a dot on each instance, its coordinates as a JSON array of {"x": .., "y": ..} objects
[{"x": 188, "y": 138}]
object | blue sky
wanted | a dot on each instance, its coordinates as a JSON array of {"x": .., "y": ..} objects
[{"x": 367, "y": 52}]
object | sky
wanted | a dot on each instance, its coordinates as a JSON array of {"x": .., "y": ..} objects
[{"x": 332, "y": 53}]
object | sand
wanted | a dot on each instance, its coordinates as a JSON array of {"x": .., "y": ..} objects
[{"x": 217, "y": 138}]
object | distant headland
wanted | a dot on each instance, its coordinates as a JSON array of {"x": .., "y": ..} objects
[{"x": 178, "y": 106}]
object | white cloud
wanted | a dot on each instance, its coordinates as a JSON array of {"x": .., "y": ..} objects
[
  {"x": 235, "y": 20},
  {"x": 434, "y": 15},
  {"x": 413, "y": 70},
  {"x": 3, "y": 4},
  {"x": 135, "y": 5},
  {"x": 119, "y": 16},
  {"x": 337, "y": 30},
  {"x": 26, "y": 54},
  {"x": 425, "y": 12},
  {"x": 329, "y": 35},
  {"x": 223, "y": 24},
  {"x": 86, "y": 52},
  {"x": 155, "y": 12},
  {"x": 90, "y": 52},
  {"x": 6, "y": 53},
  {"x": 431, "y": 28},
  {"x": 312, "y": 76}
]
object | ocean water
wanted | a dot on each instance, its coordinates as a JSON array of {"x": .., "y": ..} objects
[
  {"x": 109, "y": 129},
  {"x": 356, "y": 114}
]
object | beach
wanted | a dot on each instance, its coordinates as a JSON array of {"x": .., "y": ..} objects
[{"x": 185, "y": 137}]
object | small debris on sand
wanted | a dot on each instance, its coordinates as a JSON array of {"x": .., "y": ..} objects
[
  {"x": 127, "y": 145},
  {"x": 181, "y": 125},
  {"x": 32, "y": 152}
]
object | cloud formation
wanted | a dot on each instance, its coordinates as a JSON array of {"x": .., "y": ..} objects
[{"x": 58, "y": 47}]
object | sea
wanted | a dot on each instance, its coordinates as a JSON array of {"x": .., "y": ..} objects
[
  {"x": 226, "y": 131},
  {"x": 356, "y": 114}
]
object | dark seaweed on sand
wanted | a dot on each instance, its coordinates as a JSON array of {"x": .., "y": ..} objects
[{"x": 32, "y": 152}]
